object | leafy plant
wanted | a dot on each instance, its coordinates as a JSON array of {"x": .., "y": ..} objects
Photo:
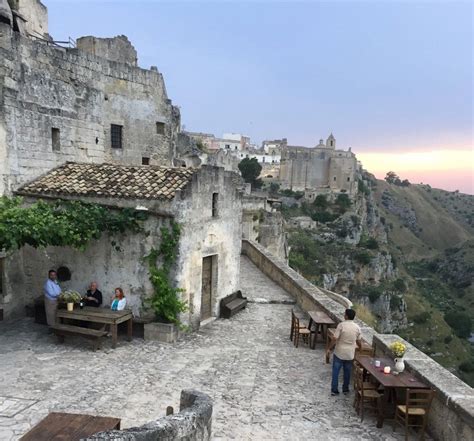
[
  {"x": 398, "y": 348},
  {"x": 70, "y": 297},
  {"x": 165, "y": 300},
  {"x": 460, "y": 322},
  {"x": 363, "y": 257},
  {"x": 250, "y": 170}
]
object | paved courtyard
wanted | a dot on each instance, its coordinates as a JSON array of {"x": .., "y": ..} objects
[{"x": 263, "y": 388}]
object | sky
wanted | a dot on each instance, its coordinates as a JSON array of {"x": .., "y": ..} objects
[{"x": 393, "y": 80}]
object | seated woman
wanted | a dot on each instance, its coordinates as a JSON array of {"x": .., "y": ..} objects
[{"x": 118, "y": 301}]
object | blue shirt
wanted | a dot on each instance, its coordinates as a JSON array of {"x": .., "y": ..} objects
[{"x": 51, "y": 289}]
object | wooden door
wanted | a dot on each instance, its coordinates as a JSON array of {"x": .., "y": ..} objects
[{"x": 206, "y": 292}]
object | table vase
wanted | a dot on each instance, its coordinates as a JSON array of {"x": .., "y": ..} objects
[
  {"x": 399, "y": 365},
  {"x": 70, "y": 306}
]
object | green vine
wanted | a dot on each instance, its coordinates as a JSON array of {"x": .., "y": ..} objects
[
  {"x": 165, "y": 300},
  {"x": 61, "y": 223}
]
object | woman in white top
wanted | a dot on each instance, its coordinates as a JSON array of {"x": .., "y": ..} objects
[{"x": 119, "y": 301}]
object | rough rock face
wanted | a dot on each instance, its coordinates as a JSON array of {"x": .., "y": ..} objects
[{"x": 405, "y": 212}]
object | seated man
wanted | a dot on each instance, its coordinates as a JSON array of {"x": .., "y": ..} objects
[{"x": 93, "y": 296}]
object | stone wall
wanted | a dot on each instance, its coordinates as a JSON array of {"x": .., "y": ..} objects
[
  {"x": 305, "y": 168},
  {"x": 206, "y": 235},
  {"x": 452, "y": 414},
  {"x": 117, "y": 49},
  {"x": 80, "y": 95},
  {"x": 26, "y": 270},
  {"x": 36, "y": 15},
  {"x": 192, "y": 423}
]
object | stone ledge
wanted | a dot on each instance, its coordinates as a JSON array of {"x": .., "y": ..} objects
[{"x": 193, "y": 422}]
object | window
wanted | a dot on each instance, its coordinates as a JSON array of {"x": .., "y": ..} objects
[
  {"x": 55, "y": 140},
  {"x": 145, "y": 160},
  {"x": 215, "y": 200},
  {"x": 160, "y": 128},
  {"x": 348, "y": 179},
  {"x": 227, "y": 146},
  {"x": 116, "y": 136},
  {"x": 334, "y": 178}
]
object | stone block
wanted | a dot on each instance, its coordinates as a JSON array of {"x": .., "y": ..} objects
[{"x": 163, "y": 332}]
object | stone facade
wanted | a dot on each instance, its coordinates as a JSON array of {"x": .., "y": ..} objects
[
  {"x": 208, "y": 208},
  {"x": 59, "y": 105},
  {"x": 319, "y": 168}
]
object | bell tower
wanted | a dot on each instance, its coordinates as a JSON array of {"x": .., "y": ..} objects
[{"x": 331, "y": 142}]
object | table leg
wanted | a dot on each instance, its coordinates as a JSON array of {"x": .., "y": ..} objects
[
  {"x": 129, "y": 329},
  {"x": 113, "y": 328},
  {"x": 382, "y": 406}
]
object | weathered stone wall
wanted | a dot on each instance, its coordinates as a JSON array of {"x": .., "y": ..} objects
[
  {"x": 452, "y": 414},
  {"x": 27, "y": 270},
  {"x": 117, "y": 49},
  {"x": 36, "y": 15},
  {"x": 304, "y": 168},
  {"x": 192, "y": 423},
  {"x": 44, "y": 87},
  {"x": 206, "y": 235}
]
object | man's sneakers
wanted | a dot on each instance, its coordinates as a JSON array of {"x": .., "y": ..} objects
[
  {"x": 334, "y": 394},
  {"x": 345, "y": 392}
]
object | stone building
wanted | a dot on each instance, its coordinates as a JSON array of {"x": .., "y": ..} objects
[
  {"x": 318, "y": 169},
  {"x": 205, "y": 202},
  {"x": 91, "y": 103}
]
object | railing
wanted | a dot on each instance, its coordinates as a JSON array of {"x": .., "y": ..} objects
[{"x": 70, "y": 43}]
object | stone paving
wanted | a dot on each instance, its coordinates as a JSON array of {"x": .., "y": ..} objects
[{"x": 263, "y": 387}]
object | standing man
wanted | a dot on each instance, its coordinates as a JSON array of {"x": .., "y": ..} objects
[
  {"x": 346, "y": 338},
  {"x": 93, "y": 296},
  {"x": 51, "y": 292}
]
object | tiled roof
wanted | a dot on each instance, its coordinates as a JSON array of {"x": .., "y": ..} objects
[{"x": 110, "y": 181}]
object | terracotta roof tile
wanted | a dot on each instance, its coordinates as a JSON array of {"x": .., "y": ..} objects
[{"x": 110, "y": 180}]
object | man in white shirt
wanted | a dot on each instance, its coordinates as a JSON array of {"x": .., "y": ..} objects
[
  {"x": 346, "y": 338},
  {"x": 51, "y": 291}
]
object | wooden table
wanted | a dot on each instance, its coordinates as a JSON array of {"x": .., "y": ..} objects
[
  {"x": 390, "y": 382},
  {"x": 59, "y": 426},
  {"x": 322, "y": 322},
  {"x": 100, "y": 315}
]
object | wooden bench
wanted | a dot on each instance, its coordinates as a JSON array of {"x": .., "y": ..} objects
[
  {"x": 92, "y": 334},
  {"x": 232, "y": 304}
]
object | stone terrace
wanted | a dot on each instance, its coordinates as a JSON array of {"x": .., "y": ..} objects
[{"x": 263, "y": 388}]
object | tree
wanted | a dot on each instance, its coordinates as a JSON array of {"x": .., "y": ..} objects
[
  {"x": 250, "y": 170},
  {"x": 392, "y": 178},
  {"x": 274, "y": 187},
  {"x": 460, "y": 322},
  {"x": 343, "y": 202},
  {"x": 321, "y": 201}
]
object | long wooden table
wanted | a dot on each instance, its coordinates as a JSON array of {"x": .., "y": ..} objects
[
  {"x": 59, "y": 426},
  {"x": 391, "y": 382},
  {"x": 100, "y": 315},
  {"x": 322, "y": 322}
]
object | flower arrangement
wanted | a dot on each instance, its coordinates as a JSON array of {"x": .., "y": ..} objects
[
  {"x": 398, "y": 349},
  {"x": 70, "y": 297}
]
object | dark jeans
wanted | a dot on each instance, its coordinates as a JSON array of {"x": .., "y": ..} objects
[{"x": 336, "y": 368}]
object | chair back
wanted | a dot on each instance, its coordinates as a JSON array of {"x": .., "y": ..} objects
[
  {"x": 365, "y": 350},
  {"x": 359, "y": 378},
  {"x": 419, "y": 399}
]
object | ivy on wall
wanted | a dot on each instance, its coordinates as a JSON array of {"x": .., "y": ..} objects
[
  {"x": 61, "y": 223},
  {"x": 75, "y": 224},
  {"x": 165, "y": 300}
]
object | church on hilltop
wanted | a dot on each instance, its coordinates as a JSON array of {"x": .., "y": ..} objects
[{"x": 319, "y": 169}]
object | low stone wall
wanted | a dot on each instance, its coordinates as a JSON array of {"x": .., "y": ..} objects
[
  {"x": 452, "y": 414},
  {"x": 192, "y": 423}
]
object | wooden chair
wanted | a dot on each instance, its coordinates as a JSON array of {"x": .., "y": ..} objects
[
  {"x": 293, "y": 318},
  {"x": 416, "y": 408},
  {"x": 300, "y": 330},
  {"x": 364, "y": 396},
  {"x": 365, "y": 350},
  {"x": 369, "y": 382}
]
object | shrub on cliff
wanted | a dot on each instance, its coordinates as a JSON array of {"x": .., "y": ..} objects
[{"x": 460, "y": 322}]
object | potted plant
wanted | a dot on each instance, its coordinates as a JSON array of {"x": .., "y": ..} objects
[
  {"x": 398, "y": 349},
  {"x": 70, "y": 297}
]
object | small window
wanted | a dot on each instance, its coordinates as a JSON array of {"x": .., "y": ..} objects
[
  {"x": 160, "y": 128},
  {"x": 227, "y": 146},
  {"x": 334, "y": 178},
  {"x": 55, "y": 140},
  {"x": 145, "y": 160},
  {"x": 116, "y": 136},
  {"x": 348, "y": 179},
  {"x": 215, "y": 200},
  {"x": 64, "y": 274}
]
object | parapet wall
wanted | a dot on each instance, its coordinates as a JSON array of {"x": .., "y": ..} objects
[
  {"x": 452, "y": 414},
  {"x": 192, "y": 423}
]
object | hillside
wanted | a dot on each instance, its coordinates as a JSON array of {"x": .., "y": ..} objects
[{"x": 403, "y": 255}]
